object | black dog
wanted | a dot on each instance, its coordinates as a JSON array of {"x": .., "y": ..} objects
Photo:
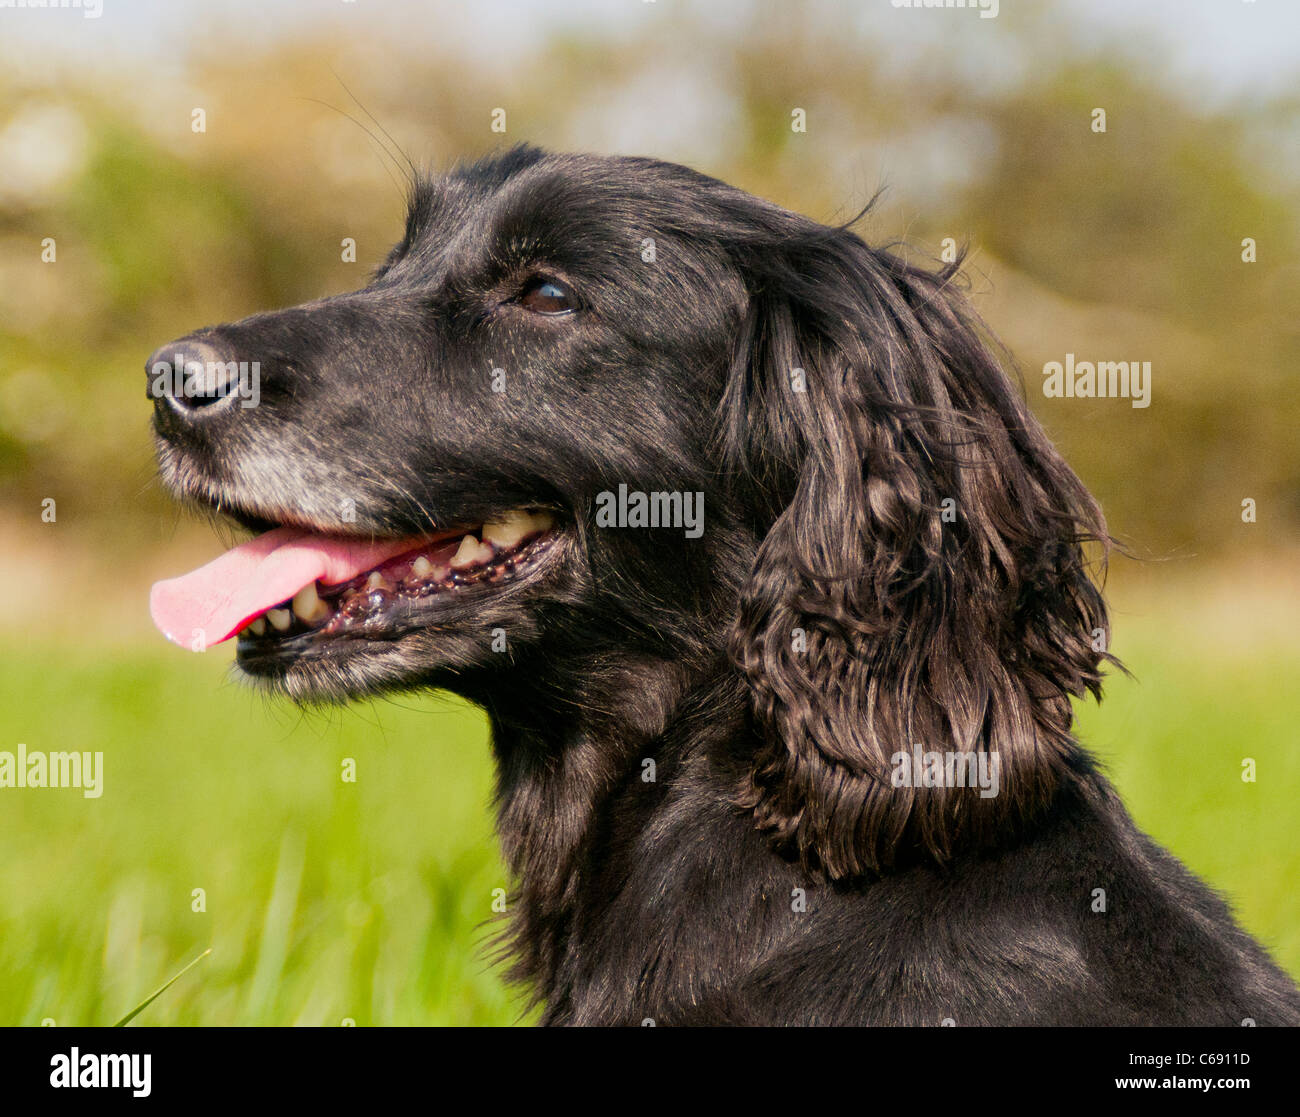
[{"x": 772, "y": 586}]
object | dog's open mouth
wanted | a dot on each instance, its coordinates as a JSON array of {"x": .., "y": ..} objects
[{"x": 288, "y": 583}]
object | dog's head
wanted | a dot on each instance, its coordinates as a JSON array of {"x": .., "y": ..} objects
[{"x": 599, "y": 412}]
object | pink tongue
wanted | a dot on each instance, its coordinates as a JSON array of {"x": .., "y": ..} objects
[{"x": 211, "y": 604}]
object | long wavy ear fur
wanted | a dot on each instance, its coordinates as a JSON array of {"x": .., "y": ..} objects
[{"x": 878, "y": 617}]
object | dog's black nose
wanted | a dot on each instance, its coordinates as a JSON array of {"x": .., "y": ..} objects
[{"x": 193, "y": 376}]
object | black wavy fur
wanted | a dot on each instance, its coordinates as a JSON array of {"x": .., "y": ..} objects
[{"x": 893, "y": 556}]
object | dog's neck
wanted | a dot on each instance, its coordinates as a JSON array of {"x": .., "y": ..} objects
[{"x": 565, "y": 760}]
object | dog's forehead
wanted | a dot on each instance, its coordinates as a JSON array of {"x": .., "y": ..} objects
[
  {"x": 465, "y": 213},
  {"x": 527, "y": 198}
]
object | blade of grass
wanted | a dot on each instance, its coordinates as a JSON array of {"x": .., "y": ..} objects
[
  {"x": 159, "y": 991},
  {"x": 277, "y": 930}
]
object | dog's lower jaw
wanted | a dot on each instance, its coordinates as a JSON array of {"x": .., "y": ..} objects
[
  {"x": 423, "y": 660},
  {"x": 480, "y": 634}
]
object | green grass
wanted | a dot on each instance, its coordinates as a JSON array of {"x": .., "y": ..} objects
[
  {"x": 1173, "y": 740},
  {"x": 369, "y": 901},
  {"x": 325, "y": 900}
]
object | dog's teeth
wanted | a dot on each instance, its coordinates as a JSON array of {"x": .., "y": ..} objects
[
  {"x": 308, "y": 606},
  {"x": 355, "y": 606},
  {"x": 470, "y": 553},
  {"x": 509, "y": 530},
  {"x": 465, "y": 553},
  {"x": 364, "y": 600},
  {"x": 280, "y": 619}
]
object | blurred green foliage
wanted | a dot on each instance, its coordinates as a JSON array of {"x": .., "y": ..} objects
[{"x": 1119, "y": 246}]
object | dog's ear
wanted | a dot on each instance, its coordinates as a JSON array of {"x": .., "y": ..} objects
[{"x": 921, "y": 586}]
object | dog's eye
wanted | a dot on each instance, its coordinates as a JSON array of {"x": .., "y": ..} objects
[{"x": 548, "y": 296}]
